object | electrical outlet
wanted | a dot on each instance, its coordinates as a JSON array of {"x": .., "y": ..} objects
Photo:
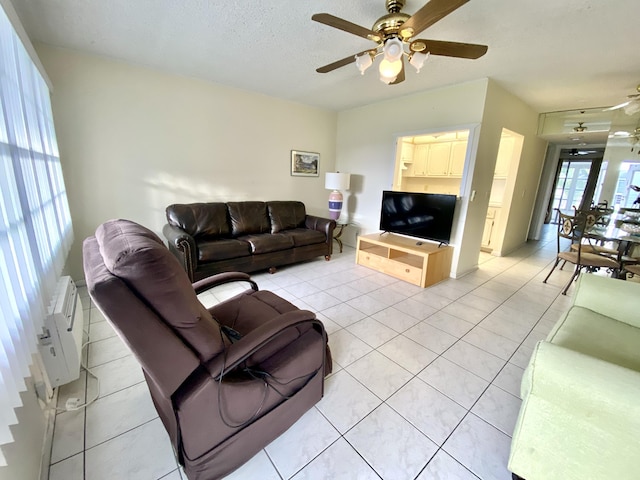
[{"x": 72, "y": 403}]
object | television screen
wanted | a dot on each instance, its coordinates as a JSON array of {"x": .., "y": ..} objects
[{"x": 422, "y": 215}]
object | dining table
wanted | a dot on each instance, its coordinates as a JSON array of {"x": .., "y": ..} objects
[{"x": 623, "y": 231}]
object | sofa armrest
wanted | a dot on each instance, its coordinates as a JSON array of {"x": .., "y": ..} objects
[
  {"x": 610, "y": 297},
  {"x": 579, "y": 418},
  {"x": 258, "y": 338},
  {"x": 563, "y": 375},
  {"x": 323, "y": 225},
  {"x": 183, "y": 246},
  {"x": 222, "y": 278}
]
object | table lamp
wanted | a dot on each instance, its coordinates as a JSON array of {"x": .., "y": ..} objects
[{"x": 336, "y": 181}]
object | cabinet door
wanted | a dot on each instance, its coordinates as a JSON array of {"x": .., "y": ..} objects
[
  {"x": 406, "y": 157},
  {"x": 420, "y": 156},
  {"x": 438, "y": 159},
  {"x": 406, "y": 152},
  {"x": 486, "y": 234},
  {"x": 456, "y": 160}
]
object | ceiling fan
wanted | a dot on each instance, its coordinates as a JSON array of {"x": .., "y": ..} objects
[
  {"x": 394, "y": 35},
  {"x": 575, "y": 151},
  {"x": 631, "y": 106}
]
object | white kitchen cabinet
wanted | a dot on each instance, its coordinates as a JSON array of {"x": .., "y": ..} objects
[
  {"x": 456, "y": 158},
  {"x": 420, "y": 156},
  {"x": 486, "y": 233},
  {"x": 489, "y": 226},
  {"x": 406, "y": 158},
  {"x": 438, "y": 159},
  {"x": 406, "y": 152}
]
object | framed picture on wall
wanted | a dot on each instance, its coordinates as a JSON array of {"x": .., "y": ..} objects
[{"x": 304, "y": 164}]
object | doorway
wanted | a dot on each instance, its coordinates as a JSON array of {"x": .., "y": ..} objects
[
  {"x": 575, "y": 182},
  {"x": 508, "y": 158}
]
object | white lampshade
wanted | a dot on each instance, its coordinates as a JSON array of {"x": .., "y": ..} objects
[
  {"x": 389, "y": 69},
  {"x": 417, "y": 60},
  {"x": 392, "y": 49},
  {"x": 337, "y": 181},
  {"x": 363, "y": 62}
]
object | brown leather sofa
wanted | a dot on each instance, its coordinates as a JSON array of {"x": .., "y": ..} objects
[
  {"x": 209, "y": 238},
  {"x": 225, "y": 381}
]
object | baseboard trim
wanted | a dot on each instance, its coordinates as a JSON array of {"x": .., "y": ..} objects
[{"x": 48, "y": 437}]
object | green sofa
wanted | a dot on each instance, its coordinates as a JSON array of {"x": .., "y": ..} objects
[{"x": 580, "y": 413}]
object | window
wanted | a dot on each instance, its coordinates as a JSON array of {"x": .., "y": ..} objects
[
  {"x": 629, "y": 175},
  {"x": 35, "y": 224}
]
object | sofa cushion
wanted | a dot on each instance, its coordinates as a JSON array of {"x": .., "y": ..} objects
[
  {"x": 222, "y": 249},
  {"x": 248, "y": 218},
  {"x": 285, "y": 215},
  {"x": 200, "y": 219},
  {"x": 585, "y": 331},
  {"x": 267, "y": 242},
  {"x": 304, "y": 236}
]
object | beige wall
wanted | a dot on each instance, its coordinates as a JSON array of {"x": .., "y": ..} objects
[
  {"x": 366, "y": 146},
  {"x": 366, "y": 149},
  {"x": 134, "y": 140},
  {"x": 504, "y": 110}
]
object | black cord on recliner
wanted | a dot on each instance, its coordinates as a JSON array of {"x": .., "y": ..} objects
[
  {"x": 265, "y": 375},
  {"x": 264, "y": 395},
  {"x": 258, "y": 375}
]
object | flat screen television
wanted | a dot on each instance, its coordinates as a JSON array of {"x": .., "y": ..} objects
[{"x": 422, "y": 215}]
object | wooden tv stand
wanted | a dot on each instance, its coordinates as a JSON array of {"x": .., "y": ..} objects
[{"x": 403, "y": 258}]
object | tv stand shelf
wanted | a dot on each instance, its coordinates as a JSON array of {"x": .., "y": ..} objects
[{"x": 401, "y": 257}]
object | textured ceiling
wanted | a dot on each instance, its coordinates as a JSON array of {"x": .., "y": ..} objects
[{"x": 555, "y": 55}]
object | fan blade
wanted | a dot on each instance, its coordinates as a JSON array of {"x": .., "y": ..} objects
[
  {"x": 400, "y": 77},
  {"x": 428, "y": 15},
  {"x": 616, "y": 107},
  {"x": 449, "y": 49},
  {"x": 345, "y": 26},
  {"x": 340, "y": 63}
]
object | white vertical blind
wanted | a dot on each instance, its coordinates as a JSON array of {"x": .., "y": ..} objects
[{"x": 35, "y": 224}]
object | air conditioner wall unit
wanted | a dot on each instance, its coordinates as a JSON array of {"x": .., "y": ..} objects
[{"x": 60, "y": 344}]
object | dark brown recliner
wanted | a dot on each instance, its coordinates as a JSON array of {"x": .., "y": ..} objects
[{"x": 225, "y": 381}]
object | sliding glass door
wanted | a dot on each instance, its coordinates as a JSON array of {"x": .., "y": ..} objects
[{"x": 574, "y": 185}]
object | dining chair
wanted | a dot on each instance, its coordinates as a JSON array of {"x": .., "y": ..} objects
[
  {"x": 573, "y": 228},
  {"x": 598, "y": 216},
  {"x": 633, "y": 269}
]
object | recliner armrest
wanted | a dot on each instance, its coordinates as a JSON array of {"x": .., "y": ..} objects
[
  {"x": 222, "y": 278},
  {"x": 323, "y": 225},
  {"x": 183, "y": 246},
  {"x": 258, "y": 338}
]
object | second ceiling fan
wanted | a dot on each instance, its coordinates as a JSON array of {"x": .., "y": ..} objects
[{"x": 395, "y": 30}]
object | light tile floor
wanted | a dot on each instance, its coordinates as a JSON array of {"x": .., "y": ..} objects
[{"x": 425, "y": 383}]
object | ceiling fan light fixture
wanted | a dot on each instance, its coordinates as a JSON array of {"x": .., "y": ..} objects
[
  {"x": 417, "y": 59},
  {"x": 364, "y": 61},
  {"x": 632, "y": 107},
  {"x": 389, "y": 70},
  {"x": 387, "y": 80},
  {"x": 393, "y": 49}
]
